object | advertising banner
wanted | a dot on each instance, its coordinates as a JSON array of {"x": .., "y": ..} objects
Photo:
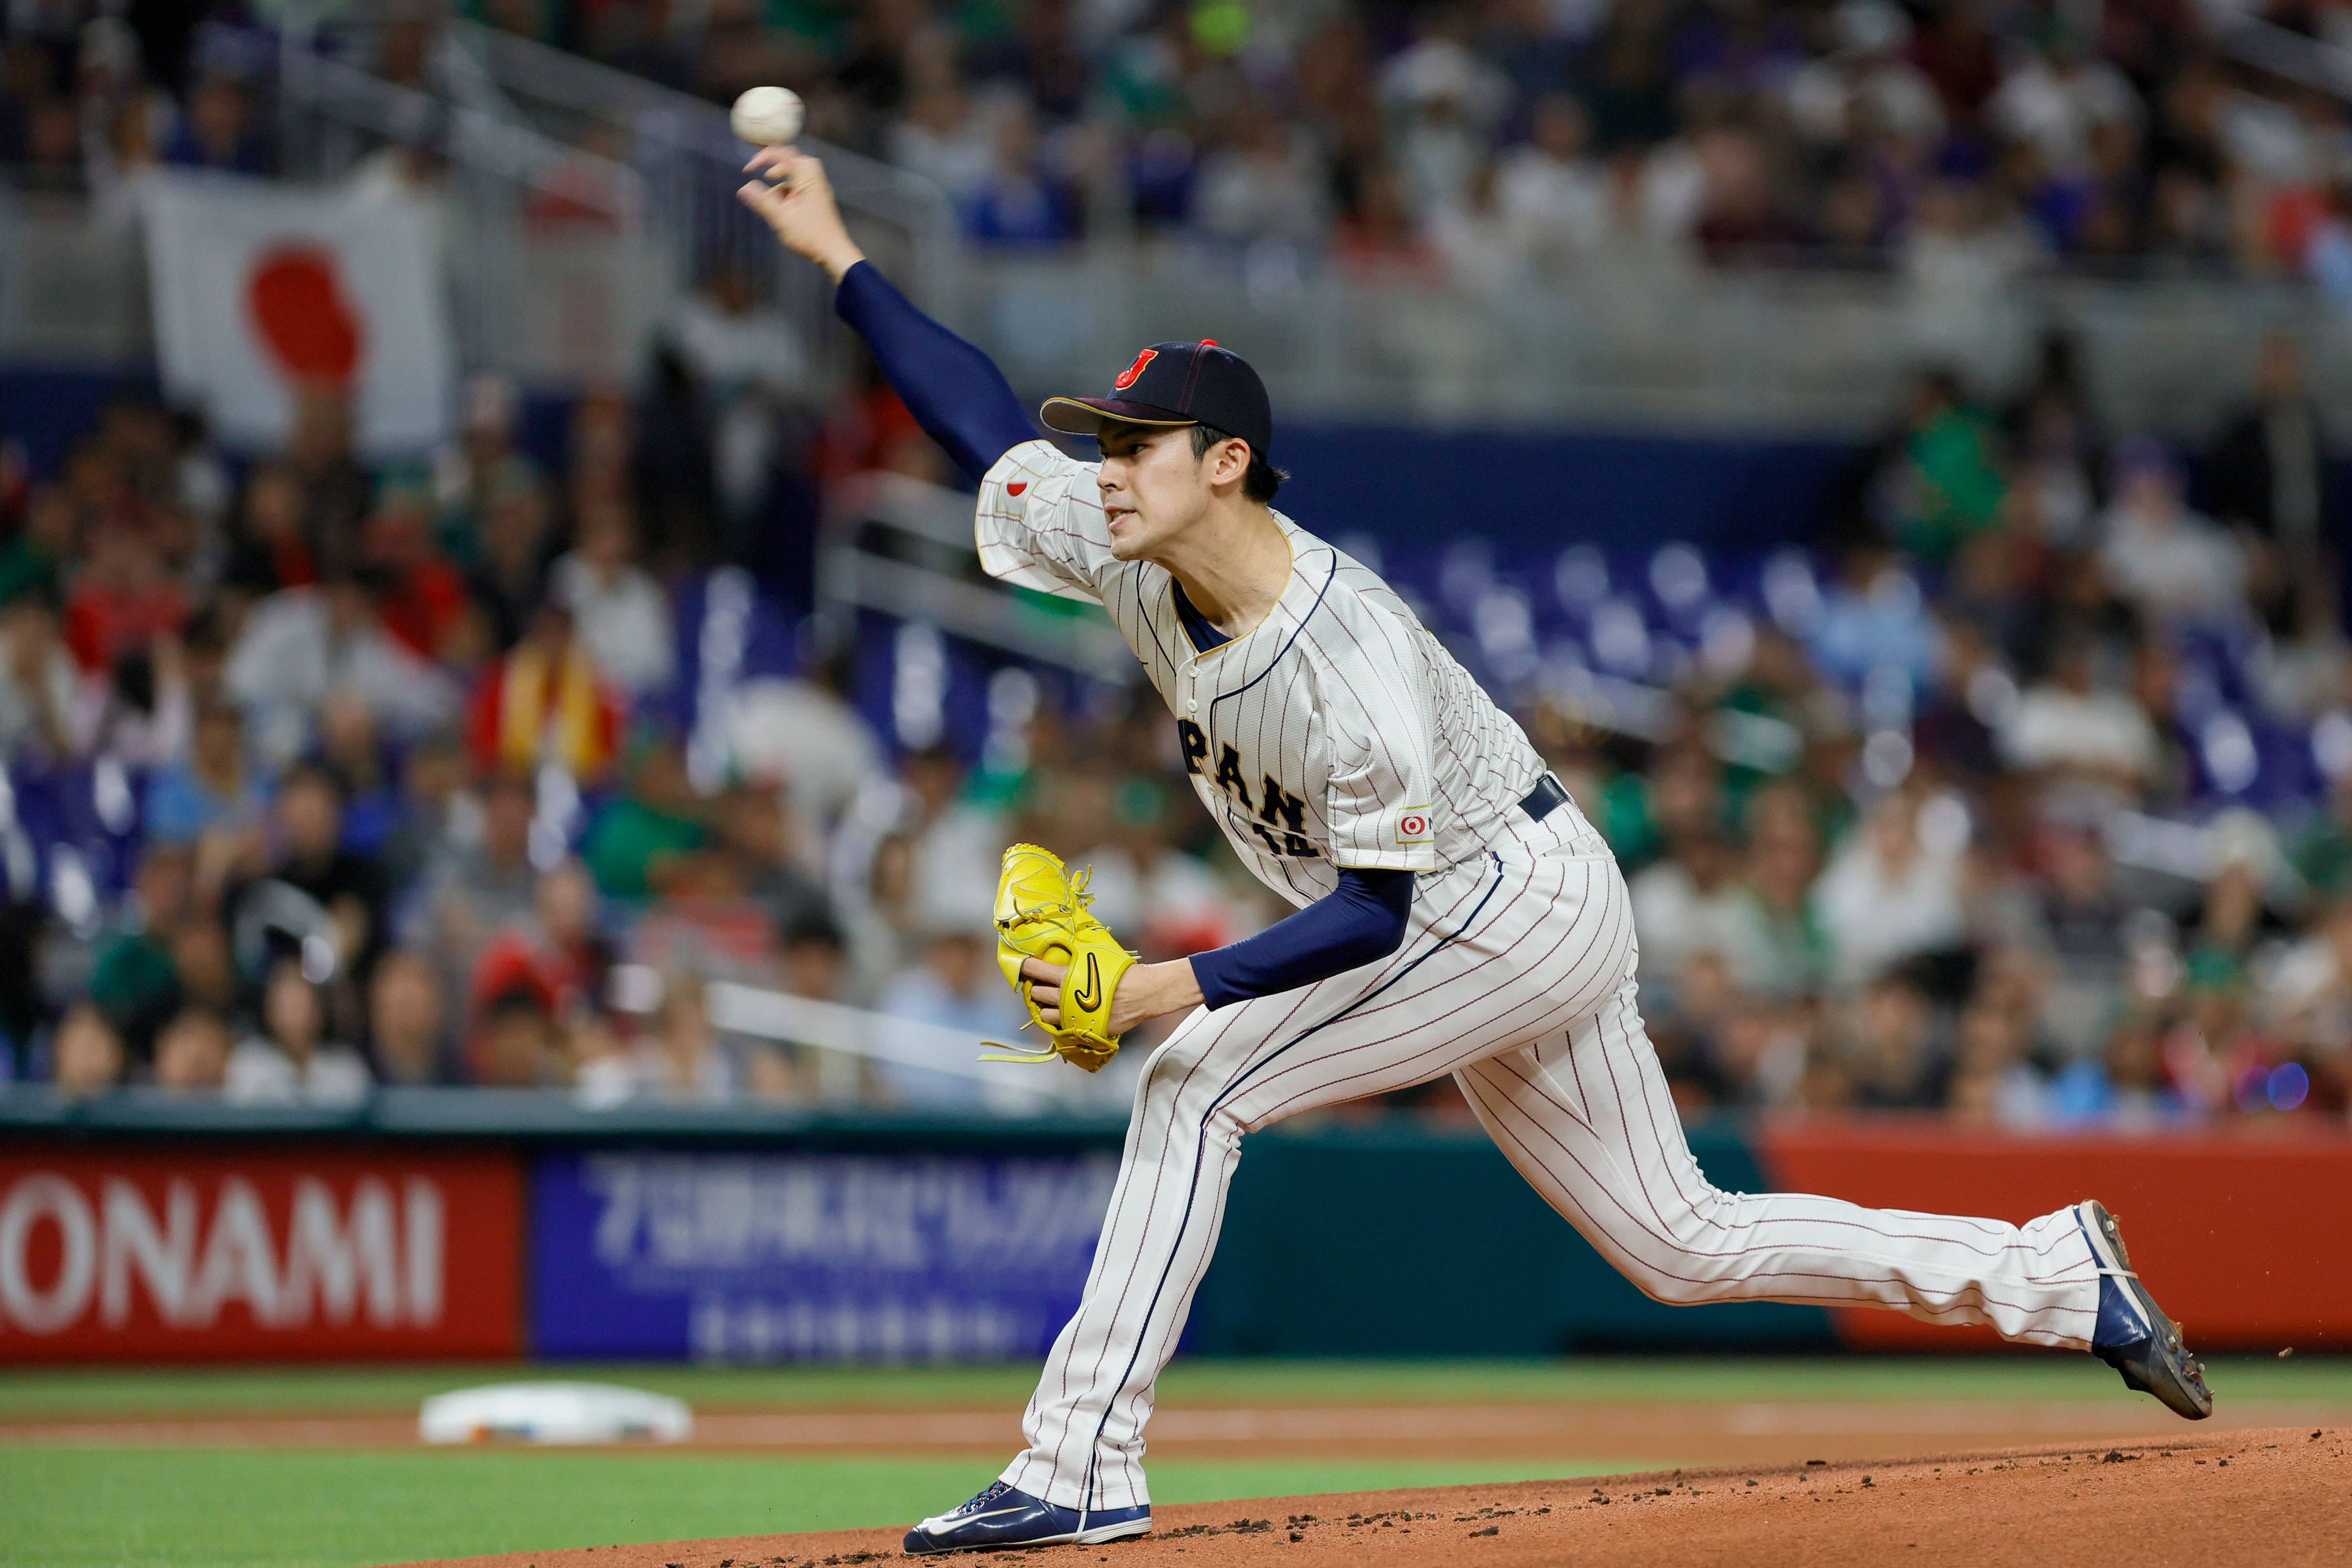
[
  {"x": 196, "y": 1253},
  {"x": 811, "y": 1257}
]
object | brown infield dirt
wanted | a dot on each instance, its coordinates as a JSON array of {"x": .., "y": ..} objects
[
  {"x": 2224, "y": 1499},
  {"x": 1698, "y": 1432}
]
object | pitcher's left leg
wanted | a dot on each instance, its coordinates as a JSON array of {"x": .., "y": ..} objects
[{"x": 1587, "y": 1118}]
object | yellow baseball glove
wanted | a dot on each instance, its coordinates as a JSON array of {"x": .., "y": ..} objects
[{"x": 1042, "y": 912}]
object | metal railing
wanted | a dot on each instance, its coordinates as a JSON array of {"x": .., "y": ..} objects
[
  {"x": 73, "y": 283},
  {"x": 553, "y": 274},
  {"x": 507, "y": 1114},
  {"x": 580, "y": 204},
  {"x": 691, "y": 164},
  {"x": 842, "y": 1037},
  {"x": 1683, "y": 348},
  {"x": 903, "y": 548},
  {"x": 2284, "y": 53},
  {"x": 1758, "y": 351}
]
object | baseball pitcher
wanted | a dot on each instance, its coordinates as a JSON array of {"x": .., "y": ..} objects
[{"x": 1456, "y": 914}]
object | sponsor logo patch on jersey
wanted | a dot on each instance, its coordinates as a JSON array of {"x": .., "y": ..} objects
[
  {"x": 1126, "y": 377},
  {"x": 1413, "y": 825}
]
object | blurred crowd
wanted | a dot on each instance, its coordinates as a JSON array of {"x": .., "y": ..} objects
[
  {"x": 2024, "y": 795},
  {"x": 1493, "y": 142},
  {"x": 2038, "y": 809},
  {"x": 320, "y": 776}
]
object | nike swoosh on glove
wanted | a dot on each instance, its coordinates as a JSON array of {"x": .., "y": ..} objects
[{"x": 1041, "y": 911}]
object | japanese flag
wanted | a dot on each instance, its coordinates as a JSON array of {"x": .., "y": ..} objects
[{"x": 264, "y": 292}]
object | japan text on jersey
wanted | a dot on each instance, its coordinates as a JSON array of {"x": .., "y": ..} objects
[
  {"x": 1281, "y": 817},
  {"x": 1336, "y": 733}
]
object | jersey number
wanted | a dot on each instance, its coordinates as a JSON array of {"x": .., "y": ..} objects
[{"x": 1281, "y": 815}]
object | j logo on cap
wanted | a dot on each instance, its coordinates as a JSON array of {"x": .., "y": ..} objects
[
  {"x": 1126, "y": 377},
  {"x": 1176, "y": 384}
]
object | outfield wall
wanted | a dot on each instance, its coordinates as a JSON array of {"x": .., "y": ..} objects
[
  {"x": 472, "y": 1224},
  {"x": 2247, "y": 1235}
]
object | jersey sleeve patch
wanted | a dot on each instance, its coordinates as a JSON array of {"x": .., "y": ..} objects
[
  {"x": 1038, "y": 522},
  {"x": 1410, "y": 824}
]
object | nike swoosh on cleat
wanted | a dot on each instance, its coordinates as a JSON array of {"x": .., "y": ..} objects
[{"x": 943, "y": 1521}]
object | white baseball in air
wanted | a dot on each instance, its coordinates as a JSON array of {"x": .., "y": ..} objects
[{"x": 767, "y": 116}]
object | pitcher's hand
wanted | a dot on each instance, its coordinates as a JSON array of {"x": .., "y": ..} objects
[
  {"x": 796, "y": 200},
  {"x": 1144, "y": 992}
]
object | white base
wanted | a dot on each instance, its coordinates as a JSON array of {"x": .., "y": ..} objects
[{"x": 553, "y": 1413}]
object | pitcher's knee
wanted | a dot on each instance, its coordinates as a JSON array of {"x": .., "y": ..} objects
[
  {"x": 1678, "y": 1291},
  {"x": 1678, "y": 1252},
  {"x": 1674, "y": 1277}
]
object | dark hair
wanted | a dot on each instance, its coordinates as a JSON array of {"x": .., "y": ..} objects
[
  {"x": 134, "y": 681},
  {"x": 512, "y": 999},
  {"x": 1260, "y": 482},
  {"x": 815, "y": 929}
]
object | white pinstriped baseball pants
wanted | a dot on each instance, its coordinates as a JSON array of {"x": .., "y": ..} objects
[{"x": 1516, "y": 975}]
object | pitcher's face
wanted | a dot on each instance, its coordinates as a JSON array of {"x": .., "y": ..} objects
[{"x": 1153, "y": 488}]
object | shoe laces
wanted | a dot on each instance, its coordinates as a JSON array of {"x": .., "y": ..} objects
[{"x": 988, "y": 1494}]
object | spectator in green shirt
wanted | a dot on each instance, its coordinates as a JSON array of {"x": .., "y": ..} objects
[
  {"x": 656, "y": 819},
  {"x": 135, "y": 985},
  {"x": 1947, "y": 481},
  {"x": 2322, "y": 856},
  {"x": 31, "y": 562}
]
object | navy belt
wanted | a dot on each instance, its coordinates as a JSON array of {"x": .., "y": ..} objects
[{"x": 1544, "y": 799}]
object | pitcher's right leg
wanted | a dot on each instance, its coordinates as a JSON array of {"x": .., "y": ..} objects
[
  {"x": 1503, "y": 950},
  {"x": 1588, "y": 1121}
]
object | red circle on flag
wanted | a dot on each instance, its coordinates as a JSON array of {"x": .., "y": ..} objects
[{"x": 295, "y": 299}]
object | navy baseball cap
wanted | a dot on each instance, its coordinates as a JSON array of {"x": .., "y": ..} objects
[{"x": 1176, "y": 384}]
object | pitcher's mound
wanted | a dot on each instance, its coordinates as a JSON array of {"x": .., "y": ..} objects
[{"x": 2268, "y": 1498}]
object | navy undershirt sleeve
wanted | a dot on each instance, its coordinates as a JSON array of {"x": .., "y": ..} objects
[
  {"x": 954, "y": 391},
  {"x": 1362, "y": 921}
]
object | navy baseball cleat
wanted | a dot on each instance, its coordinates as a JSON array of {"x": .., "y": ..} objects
[
  {"x": 2133, "y": 1335},
  {"x": 1000, "y": 1517}
]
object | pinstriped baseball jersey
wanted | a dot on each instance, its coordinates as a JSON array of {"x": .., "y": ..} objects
[{"x": 1336, "y": 733}]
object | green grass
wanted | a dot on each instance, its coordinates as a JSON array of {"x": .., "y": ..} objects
[
  {"x": 218, "y": 1508},
  {"x": 246, "y": 1508},
  {"x": 93, "y": 1392}
]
